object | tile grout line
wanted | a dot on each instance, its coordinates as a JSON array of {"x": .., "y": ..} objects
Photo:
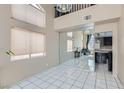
[
  {"x": 76, "y": 80},
  {"x": 55, "y": 80},
  {"x": 25, "y": 85},
  {"x": 105, "y": 78},
  {"x": 50, "y": 79},
  {"x": 73, "y": 82},
  {"x": 35, "y": 84},
  {"x": 77, "y": 77},
  {"x": 95, "y": 81},
  {"x": 62, "y": 81},
  {"x": 116, "y": 82},
  {"x": 85, "y": 80}
]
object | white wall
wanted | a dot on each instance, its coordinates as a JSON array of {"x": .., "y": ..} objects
[
  {"x": 4, "y": 36},
  {"x": 98, "y": 13},
  {"x": 11, "y": 72},
  {"x": 121, "y": 47}
]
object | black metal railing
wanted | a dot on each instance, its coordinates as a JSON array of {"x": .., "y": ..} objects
[{"x": 75, "y": 7}]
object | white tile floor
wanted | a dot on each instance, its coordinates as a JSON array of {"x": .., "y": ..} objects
[{"x": 73, "y": 74}]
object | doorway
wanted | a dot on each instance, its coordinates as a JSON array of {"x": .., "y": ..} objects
[{"x": 103, "y": 49}]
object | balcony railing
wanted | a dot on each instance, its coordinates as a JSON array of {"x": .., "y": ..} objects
[{"x": 75, "y": 7}]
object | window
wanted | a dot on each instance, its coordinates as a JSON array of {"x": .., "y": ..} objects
[
  {"x": 26, "y": 44},
  {"x": 69, "y": 34},
  {"x": 69, "y": 42},
  {"x": 37, "y": 44},
  {"x": 29, "y": 14},
  {"x": 69, "y": 45}
]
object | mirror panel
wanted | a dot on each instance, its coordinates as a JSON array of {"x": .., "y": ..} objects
[{"x": 75, "y": 45}]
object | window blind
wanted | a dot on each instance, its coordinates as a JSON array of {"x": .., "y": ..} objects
[
  {"x": 25, "y": 42},
  {"x": 28, "y": 14},
  {"x": 37, "y": 43},
  {"x": 20, "y": 41}
]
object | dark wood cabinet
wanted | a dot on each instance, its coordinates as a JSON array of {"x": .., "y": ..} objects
[
  {"x": 100, "y": 57},
  {"x": 110, "y": 61},
  {"x": 105, "y": 58}
]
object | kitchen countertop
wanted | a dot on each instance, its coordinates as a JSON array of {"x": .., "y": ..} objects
[{"x": 104, "y": 49}]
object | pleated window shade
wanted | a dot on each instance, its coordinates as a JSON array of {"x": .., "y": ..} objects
[
  {"x": 25, "y": 42},
  {"x": 20, "y": 41},
  {"x": 37, "y": 43},
  {"x": 28, "y": 14}
]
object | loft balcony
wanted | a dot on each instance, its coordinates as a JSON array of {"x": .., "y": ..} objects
[{"x": 75, "y": 7}]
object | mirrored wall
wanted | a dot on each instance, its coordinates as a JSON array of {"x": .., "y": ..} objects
[{"x": 76, "y": 44}]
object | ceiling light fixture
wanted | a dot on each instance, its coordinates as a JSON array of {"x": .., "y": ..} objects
[{"x": 64, "y": 7}]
